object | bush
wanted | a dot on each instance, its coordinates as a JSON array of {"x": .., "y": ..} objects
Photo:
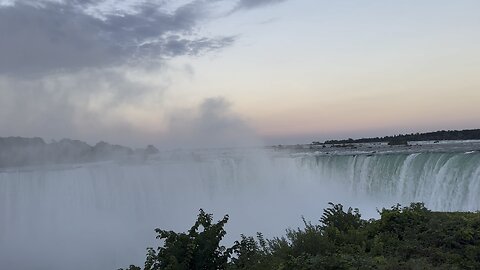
[
  {"x": 403, "y": 238},
  {"x": 199, "y": 248}
]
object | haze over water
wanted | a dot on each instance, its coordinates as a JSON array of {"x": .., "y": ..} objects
[{"x": 101, "y": 215}]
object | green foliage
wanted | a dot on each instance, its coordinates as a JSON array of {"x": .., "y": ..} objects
[
  {"x": 251, "y": 254},
  {"x": 402, "y": 238},
  {"x": 198, "y": 249},
  {"x": 341, "y": 220}
]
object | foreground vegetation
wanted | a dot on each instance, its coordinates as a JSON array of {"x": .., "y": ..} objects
[{"x": 402, "y": 238}]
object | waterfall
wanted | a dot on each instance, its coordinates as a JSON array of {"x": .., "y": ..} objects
[
  {"x": 102, "y": 215},
  {"x": 447, "y": 181}
]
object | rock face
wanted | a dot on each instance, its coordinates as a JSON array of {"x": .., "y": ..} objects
[{"x": 19, "y": 152}]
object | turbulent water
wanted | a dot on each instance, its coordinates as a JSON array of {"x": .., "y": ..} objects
[{"x": 102, "y": 215}]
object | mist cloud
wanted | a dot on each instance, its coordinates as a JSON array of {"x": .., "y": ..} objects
[
  {"x": 212, "y": 124},
  {"x": 66, "y": 71},
  {"x": 110, "y": 105},
  {"x": 90, "y": 105}
]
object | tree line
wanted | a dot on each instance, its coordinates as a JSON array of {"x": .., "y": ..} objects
[
  {"x": 19, "y": 151},
  {"x": 467, "y": 134}
]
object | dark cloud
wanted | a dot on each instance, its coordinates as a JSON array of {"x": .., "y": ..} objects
[
  {"x": 248, "y": 4},
  {"x": 63, "y": 36},
  {"x": 45, "y": 36}
]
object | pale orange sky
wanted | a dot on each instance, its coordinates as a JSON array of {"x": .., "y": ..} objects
[{"x": 364, "y": 70}]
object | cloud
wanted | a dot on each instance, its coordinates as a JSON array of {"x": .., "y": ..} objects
[
  {"x": 63, "y": 36},
  {"x": 66, "y": 71},
  {"x": 249, "y": 4},
  {"x": 51, "y": 36}
]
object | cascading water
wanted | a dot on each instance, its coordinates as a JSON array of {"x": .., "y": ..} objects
[
  {"x": 443, "y": 181},
  {"x": 102, "y": 215}
]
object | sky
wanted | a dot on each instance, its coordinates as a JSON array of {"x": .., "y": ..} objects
[{"x": 207, "y": 73}]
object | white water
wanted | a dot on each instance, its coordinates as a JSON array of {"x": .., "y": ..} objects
[
  {"x": 102, "y": 216},
  {"x": 443, "y": 181}
]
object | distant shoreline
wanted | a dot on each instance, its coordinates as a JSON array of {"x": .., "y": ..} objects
[
  {"x": 442, "y": 135},
  {"x": 21, "y": 152}
]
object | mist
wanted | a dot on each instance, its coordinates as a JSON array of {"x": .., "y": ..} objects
[{"x": 102, "y": 215}]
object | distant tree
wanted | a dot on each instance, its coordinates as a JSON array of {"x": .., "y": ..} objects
[
  {"x": 151, "y": 150},
  {"x": 469, "y": 134}
]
